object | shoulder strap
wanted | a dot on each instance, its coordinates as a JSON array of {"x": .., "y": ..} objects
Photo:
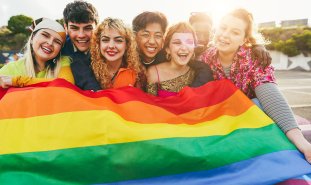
[{"x": 158, "y": 76}]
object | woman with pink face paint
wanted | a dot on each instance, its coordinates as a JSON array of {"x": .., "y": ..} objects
[
  {"x": 42, "y": 61},
  {"x": 114, "y": 57},
  {"x": 168, "y": 78}
]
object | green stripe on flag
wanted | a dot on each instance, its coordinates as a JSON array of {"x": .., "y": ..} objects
[{"x": 137, "y": 160}]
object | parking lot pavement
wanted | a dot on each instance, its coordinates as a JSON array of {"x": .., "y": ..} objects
[{"x": 296, "y": 87}]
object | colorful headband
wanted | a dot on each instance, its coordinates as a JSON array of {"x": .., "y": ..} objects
[{"x": 45, "y": 23}]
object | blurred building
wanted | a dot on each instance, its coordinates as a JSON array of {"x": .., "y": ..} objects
[
  {"x": 267, "y": 25},
  {"x": 287, "y": 24},
  {"x": 294, "y": 23}
]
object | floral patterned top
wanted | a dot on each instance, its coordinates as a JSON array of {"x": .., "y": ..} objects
[{"x": 245, "y": 72}]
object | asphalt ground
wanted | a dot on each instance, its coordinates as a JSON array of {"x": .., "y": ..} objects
[{"x": 296, "y": 87}]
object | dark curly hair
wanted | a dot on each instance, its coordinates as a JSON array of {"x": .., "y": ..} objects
[
  {"x": 140, "y": 21},
  {"x": 80, "y": 12}
]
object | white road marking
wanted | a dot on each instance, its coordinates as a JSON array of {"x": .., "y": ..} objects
[
  {"x": 300, "y": 105},
  {"x": 305, "y": 127},
  {"x": 294, "y": 87},
  {"x": 300, "y": 92}
]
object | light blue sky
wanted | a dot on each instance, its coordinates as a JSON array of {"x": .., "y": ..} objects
[{"x": 176, "y": 10}]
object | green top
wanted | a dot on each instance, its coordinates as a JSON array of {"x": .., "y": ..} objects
[{"x": 18, "y": 68}]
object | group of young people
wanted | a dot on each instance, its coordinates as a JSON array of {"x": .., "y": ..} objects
[{"x": 159, "y": 60}]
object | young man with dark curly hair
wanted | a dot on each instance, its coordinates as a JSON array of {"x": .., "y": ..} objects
[{"x": 80, "y": 19}]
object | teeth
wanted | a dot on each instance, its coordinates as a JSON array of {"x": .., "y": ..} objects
[
  {"x": 183, "y": 57},
  {"x": 151, "y": 49},
  {"x": 82, "y": 41},
  {"x": 47, "y": 49}
]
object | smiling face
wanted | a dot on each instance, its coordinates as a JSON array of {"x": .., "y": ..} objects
[
  {"x": 112, "y": 45},
  {"x": 230, "y": 34},
  {"x": 80, "y": 34},
  {"x": 181, "y": 48},
  {"x": 46, "y": 45},
  {"x": 150, "y": 41}
]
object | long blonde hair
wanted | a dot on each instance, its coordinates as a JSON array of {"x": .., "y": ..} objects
[
  {"x": 52, "y": 67},
  {"x": 130, "y": 59}
]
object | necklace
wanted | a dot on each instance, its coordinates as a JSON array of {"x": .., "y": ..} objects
[{"x": 148, "y": 63}]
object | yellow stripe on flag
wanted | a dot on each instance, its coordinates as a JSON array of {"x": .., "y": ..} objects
[{"x": 102, "y": 127}]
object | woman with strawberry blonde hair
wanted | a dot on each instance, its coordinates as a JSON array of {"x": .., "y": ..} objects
[
  {"x": 168, "y": 78},
  {"x": 115, "y": 60},
  {"x": 231, "y": 59}
]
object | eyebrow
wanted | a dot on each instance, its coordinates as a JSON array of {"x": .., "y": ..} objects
[
  {"x": 74, "y": 26},
  {"x": 117, "y": 37},
  {"x": 88, "y": 26},
  {"x": 237, "y": 29},
  {"x": 145, "y": 30},
  {"x": 54, "y": 37},
  {"x": 176, "y": 40},
  {"x": 46, "y": 32},
  {"x": 187, "y": 40},
  {"x": 59, "y": 40}
]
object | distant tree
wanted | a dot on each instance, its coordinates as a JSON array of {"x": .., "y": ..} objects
[
  {"x": 291, "y": 42},
  {"x": 287, "y": 47},
  {"x": 20, "y": 40},
  {"x": 60, "y": 21},
  {"x": 4, "y": 31},
  {"x": 303, "y": 41},
  {"x": 19, "y": 24}
]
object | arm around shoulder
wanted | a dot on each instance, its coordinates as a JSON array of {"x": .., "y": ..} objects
[{"x": 203, "y": 74}]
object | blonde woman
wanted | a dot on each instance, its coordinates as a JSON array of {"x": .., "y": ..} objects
[
  {"x": 42, "y": 59},
  {"x": 114, "y": 57}
]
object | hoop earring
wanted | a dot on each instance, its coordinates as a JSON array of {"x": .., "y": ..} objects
[
  {"x": 193, "y": 56},
  {"x": 56, "y": 58}
]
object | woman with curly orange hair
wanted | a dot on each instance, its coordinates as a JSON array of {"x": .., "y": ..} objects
[{"x": 115, "y": 60}]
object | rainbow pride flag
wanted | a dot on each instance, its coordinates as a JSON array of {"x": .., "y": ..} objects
[{"x": 54, "y": 133}]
